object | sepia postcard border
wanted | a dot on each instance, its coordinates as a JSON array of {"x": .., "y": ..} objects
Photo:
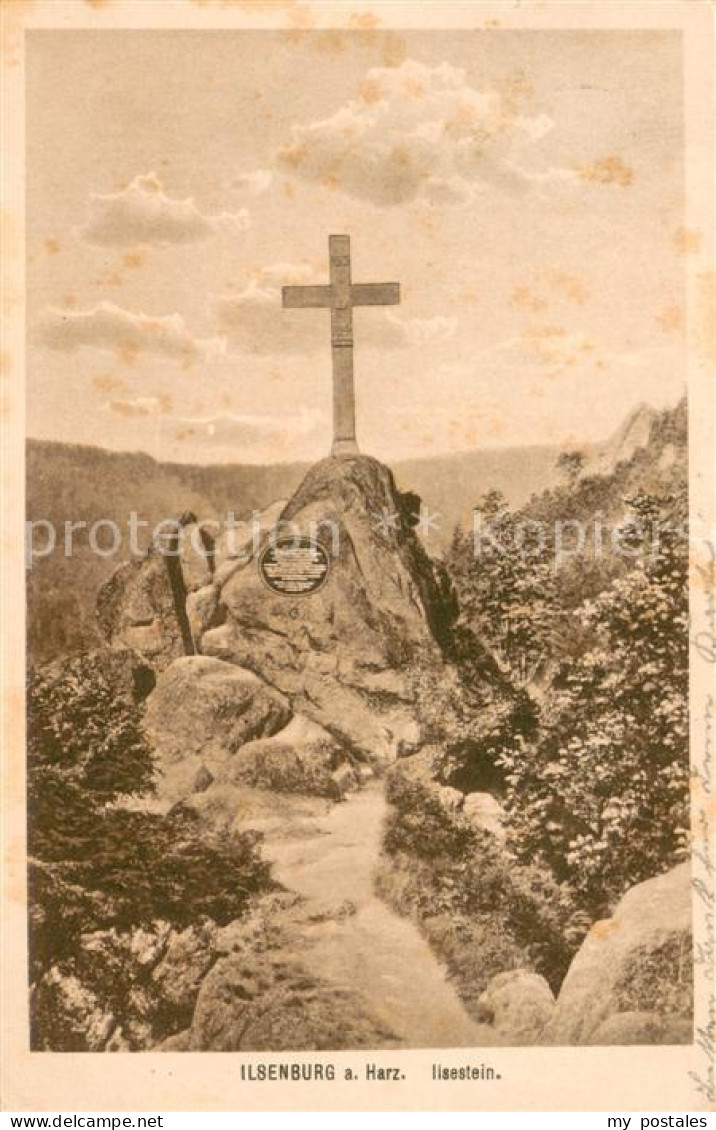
[{"x": 535, "y": 1078}]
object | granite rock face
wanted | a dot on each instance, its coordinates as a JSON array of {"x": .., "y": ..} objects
[
  {"x": 200, "y": 713},
  {"x": 136, "y": 606},
  {"x": 343, "y": 654},
  {"x": 302, "y": 758},
  {"x": 518, "y": 1004},
  {"x": 135, "y": 609},
  {"x": 633, "y": 973}
]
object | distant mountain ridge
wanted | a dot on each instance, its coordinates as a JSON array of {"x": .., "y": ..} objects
[
  {"x": 82, "y": 475},
  {"x": 83, "y": 484}
]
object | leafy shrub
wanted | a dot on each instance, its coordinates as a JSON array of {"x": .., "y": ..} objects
[
  {"x": 84, "y": 720},
  {"x": 601, "y": 798},
  {"x": 437, "y": 865},
  {"x": 95, "y": 864}
]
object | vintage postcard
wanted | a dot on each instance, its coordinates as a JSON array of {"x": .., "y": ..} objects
[{"x": 358, "y": 556}]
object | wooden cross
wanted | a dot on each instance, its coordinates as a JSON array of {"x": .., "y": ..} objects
[{"x": 340, "y": 296}]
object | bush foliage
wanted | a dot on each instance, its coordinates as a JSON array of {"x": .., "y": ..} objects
[
  {"x": 596, "y": 784},
  {"x": 94, "y": 863}
]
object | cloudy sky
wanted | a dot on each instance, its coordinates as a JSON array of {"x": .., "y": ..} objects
[{"x": 525, "y": 189}]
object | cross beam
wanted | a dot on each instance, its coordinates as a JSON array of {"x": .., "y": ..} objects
[{"x": 340, "y": 296}]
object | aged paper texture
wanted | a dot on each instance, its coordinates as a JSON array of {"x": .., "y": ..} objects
[{"x": 358, "y": 556}]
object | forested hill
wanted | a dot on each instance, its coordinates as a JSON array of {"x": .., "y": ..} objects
[{"x": 77, "y": 483}]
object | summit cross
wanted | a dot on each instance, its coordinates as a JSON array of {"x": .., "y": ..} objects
[{"x": 340, "y": 296}]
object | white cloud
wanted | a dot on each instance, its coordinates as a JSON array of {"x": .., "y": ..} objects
[
  {"x": 138, "y": 405},
  {"x": 110, "y": 327},
  {"x": 143, "y": 213},
  {"x": 248, "y": 429},
  {"x": 417, "y": 132},
  {"x": 255, "y": 321},
  {"x": 425, "y": 331},
  {"x": 257, "y": 183}
]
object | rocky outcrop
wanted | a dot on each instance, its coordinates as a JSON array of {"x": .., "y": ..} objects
[
  {"x": 486, "y": 814},
  {"x": 302, "y": 758},
  {"x": 518, "y": 1005},
  {"x": 260, "y": 997},
  {"x": 343, "y": 654},
  {"x": 236, "y": 546},
  {"x": 136, "y": 606},
  {"x": 633, "y": 973},
  {"x": 200, "y": 713},
  {"x": 135, "y": 609},
  {"x": 624, "y": 1028}
]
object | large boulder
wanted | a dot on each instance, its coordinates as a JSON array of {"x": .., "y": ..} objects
[
  {"x": 261, "y": 997},
  {"x": 301, "y": 758},
  {"x": 343, "y": 653},
  {"x": 624, "y": 1028},
  {"x": 200, "y": 713},
  {"x": 136, "y": 606},
  {"x": 486, "y": 814},
  {"x": 637, "y": 962},
  {"x": 135, "y": 609},
  {"x": 518, "y": 1004}
]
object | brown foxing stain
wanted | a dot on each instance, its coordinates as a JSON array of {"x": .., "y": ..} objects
[
  {"x": 52, "y": 246},
  {"x": 106, "y": 382},
  {"x": 525, "y": 298},
  {"x": 607, "y": 170},
  {"x": 369, "y": 91},
  {"x": 294, "y": 156},
  {"x": 335, "y": 41},
  {"x": 605, "y": 928},
  {"x": 366, "y": 21},
  {"x": 515, "y": 89},
  {"x": 569, "y": 285},
  {"x": 300, "y": 18},
  {"x": 427, "y": 222},
  {"x": 133, "y": 259},
  {"x": 670, "y": 319},
  {"x": 330, "y": 42},
  {"x": 112, "y": 278},
  {"x": 69, "y": 301},
  {"x": 126, "y": 354},
  {"x": 687, "y": 240},
  {"x": 702, "y": 571},
  {"x": 394, "y": 50}
]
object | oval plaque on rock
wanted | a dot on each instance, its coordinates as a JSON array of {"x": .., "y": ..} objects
[{"x": 294, "y": 566}]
